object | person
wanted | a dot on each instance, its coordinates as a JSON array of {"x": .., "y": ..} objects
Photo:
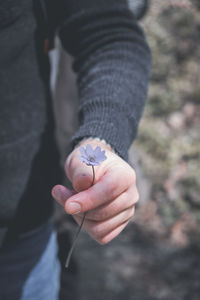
[{"x": 112, "y": 62}]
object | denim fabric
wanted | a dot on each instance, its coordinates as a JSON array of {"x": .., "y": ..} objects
[{"x": 29, "y": 269}]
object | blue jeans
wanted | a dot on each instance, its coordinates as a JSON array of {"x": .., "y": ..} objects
[{"x": 29, "y": 268}]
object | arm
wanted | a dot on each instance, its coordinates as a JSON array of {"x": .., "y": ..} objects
[{"x": 112, "y": 60}]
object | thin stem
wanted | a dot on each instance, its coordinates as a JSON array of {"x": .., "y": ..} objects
[
  {"x": 79, "y": 228},
  {"x": 93, "y": 174}
]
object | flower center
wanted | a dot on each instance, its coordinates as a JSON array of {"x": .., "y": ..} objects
[{"x": 91, "y": 158}]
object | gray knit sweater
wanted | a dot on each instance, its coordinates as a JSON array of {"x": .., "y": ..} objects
[{"x": 112, "y": 60}]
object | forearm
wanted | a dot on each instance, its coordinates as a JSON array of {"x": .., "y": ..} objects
[{"x": 113, "y": 61}]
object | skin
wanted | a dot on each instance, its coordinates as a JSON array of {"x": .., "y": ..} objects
[{"x": 109, "y": 203}]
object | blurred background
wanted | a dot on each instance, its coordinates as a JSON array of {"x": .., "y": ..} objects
[{"x": 158, "y": 255}]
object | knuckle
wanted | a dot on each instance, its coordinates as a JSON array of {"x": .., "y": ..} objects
[
  {"x": 133, "y": 176},
  {"x": 129, "y": 214},
  {"x": 132, "y": 213},
  {"x": 102, "y": 241},
  {"x": 124, "y": 202},
  {"x": 130, "y": 176},
  {"x": 137, "y": 197}
]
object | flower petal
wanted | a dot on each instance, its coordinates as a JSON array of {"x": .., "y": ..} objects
[
  {"x": 97, "y": 151},
  {"x": 82, "y": 150},
  {"x": 82, "y": 158},
  {"x": 89, "y": 150},
  {"x": 101, "y": 156}
]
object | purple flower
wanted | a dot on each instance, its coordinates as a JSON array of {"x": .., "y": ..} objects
[{"x": 92, "y": 157}]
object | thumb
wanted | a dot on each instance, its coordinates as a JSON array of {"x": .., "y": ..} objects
[{"x": 80, "y": 175}]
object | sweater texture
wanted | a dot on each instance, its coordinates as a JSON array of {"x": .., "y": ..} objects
[{"x": 112, "y": 61}]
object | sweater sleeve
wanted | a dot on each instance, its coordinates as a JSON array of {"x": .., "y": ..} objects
[{"x": 112, "y": 61}]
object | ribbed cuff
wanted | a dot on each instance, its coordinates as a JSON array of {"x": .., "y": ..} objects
[{"x": 119, "y": 141}]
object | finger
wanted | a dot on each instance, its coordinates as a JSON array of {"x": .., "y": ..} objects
[
  {"x": 111, "y": 235},
  {"x": 98, "y": 230},
  {"x": 60, "y": 193},
  {"x": 106, "y": 189},
  {"x": 126, "y": 200}
]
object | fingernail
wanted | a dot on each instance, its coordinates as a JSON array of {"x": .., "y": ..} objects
[
  {"x": 74, "y": 208},
  {"x": 57, "y": 194}
]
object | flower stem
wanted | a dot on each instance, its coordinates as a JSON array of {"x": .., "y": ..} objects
[
  {"x": 93, "y": 176},
  {"x": 79, "y": 228}
]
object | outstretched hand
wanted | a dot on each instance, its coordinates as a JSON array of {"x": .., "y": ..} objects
[{"x": 109, "y": 203}]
